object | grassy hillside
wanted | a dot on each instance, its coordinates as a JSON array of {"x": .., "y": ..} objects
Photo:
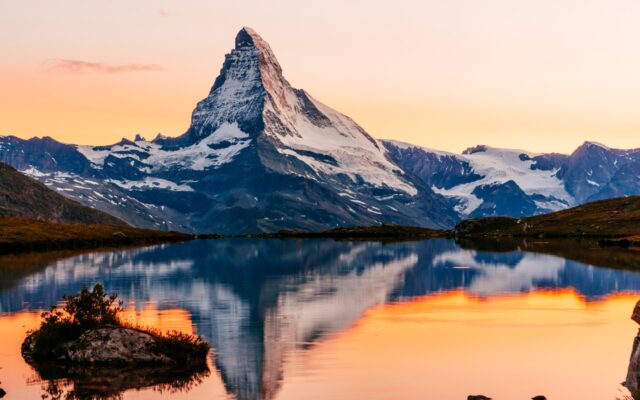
[
  {"x": 18, "y": 234},
  {"x": 21, "y": 196},
  {"x": 615, "y": 218}
]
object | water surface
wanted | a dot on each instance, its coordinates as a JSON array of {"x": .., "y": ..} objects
[{"x": 320, "y": 319}]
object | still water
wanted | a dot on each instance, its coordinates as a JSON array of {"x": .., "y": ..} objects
[{"x": 320, "y": 319}]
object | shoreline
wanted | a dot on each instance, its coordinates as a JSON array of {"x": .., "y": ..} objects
[{"x": 24, "y": 235}]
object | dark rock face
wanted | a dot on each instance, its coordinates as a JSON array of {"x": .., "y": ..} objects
[
  {"x": 503, "y": 199},
  {"x": 45, "y": 154},
  {"x": 433, "y": 168},
  {"x": 588, "y": 168},
  {"x": 625, "y": 182}
]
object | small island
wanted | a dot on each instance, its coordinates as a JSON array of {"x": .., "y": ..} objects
[{"x": 86, "y": 334}]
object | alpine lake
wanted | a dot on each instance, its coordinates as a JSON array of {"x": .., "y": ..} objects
[{"x": 327, "y": 319}]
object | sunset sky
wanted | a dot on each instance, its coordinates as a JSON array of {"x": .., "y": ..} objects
[{"x": 542, "y": 75}]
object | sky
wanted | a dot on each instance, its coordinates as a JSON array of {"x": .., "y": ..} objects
[{"x": 542, "y": 75}]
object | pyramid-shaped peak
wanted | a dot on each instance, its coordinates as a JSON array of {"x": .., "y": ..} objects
[
  {"x": 246, "y": 37},
  {"x": 249, "y": 37}
]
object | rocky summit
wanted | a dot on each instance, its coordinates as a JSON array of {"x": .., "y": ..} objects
[{"x": 262, "y": 156}]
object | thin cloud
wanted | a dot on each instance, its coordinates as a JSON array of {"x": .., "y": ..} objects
[{"x": 83, "y": 67}]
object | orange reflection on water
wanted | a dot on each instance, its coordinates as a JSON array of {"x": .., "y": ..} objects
[
  {"x": 175, "y": 319},
  {"x": 443, "y": 346},
  {"x": 448, "y": 346},
  {"x": 21, "y": 382}
]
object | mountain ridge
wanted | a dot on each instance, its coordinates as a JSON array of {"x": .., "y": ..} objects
[{"x": 263, "y": 156}]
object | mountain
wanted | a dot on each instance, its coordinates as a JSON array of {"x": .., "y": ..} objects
[
  {"x": 486, "y": 181},
  {"x": 262, "y": 156},
  {"x": 21, "y": 196},
  {"x": 259, "y": 155}
]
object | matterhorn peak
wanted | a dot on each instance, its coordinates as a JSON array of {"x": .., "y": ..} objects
[{"x": 247, "y": 37}]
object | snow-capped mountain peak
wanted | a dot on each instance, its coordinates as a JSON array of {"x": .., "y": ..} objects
[
  {"x": 252, "y": 92},
  {"x": 259, "y": 155}
]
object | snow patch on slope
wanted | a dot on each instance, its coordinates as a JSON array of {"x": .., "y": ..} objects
[
  {"x": 198, "y": 156},
  {"x": 152, "y": 183},
  {"x": 498, "y": 166},
  {"x": 356, "y": 154}
]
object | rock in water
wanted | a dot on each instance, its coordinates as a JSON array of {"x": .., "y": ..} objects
[
  {"x": 109, "y": 345},
  {"x": 632, "y": 381},
  {"x": 636, "y": 313},
  {"x": 115, "y": 345}
]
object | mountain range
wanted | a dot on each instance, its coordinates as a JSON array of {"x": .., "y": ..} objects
[{"x": 261, "y": 156}]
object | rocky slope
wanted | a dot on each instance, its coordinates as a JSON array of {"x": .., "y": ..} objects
[{"x": 21, "y": 196}]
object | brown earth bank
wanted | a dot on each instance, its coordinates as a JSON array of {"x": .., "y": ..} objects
[
  {"x": 375, "y": 233},
  {"x": 18, "y": 235},
  {"x": 615, "y": 221}
]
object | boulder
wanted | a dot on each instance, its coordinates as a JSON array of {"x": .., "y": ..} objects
[
  {"x": 115, "y": 345},
  {"x": 108, "y": 345},
  {"x": 633, "y": 372},
  {"x": 636, "y": 313}
]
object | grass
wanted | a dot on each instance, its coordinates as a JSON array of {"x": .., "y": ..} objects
[
  {"x": 93, "y": 309},
  {"x": 607, "y": 219},
  {"x": 18, "y": 234}
]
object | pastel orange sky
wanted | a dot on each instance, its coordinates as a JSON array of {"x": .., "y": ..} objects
[{"x": 541, "y": 75}]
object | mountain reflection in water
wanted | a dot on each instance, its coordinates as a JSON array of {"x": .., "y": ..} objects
[{"x": 258, "y": 301}]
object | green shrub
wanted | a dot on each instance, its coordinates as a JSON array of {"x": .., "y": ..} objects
[
  {"x": 181, "y": 347},
  {"x": 85, "y": 310},
  {"x": 93, "y": 308}
]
